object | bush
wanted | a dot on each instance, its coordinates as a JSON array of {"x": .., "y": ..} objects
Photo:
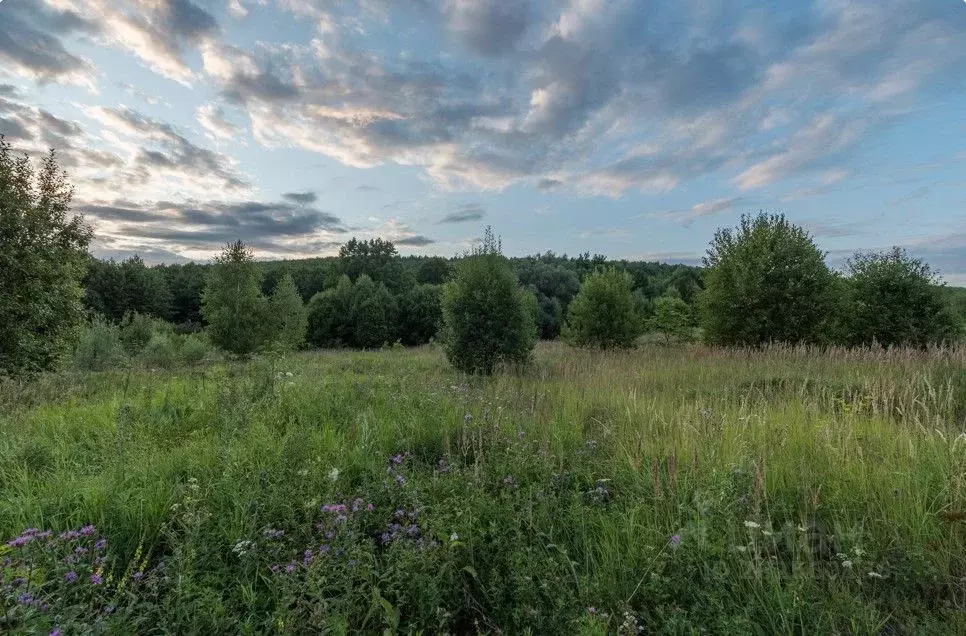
[
  {"x": 420, "y": 314},
  {"x": 893, "y": 299},
  {"x": 195, "y": 349},
  {"x": 138, "y": 329},
  {"x": 766, "y": 282},
  {"x": 161, "y": 352},
  {"x": 672, "y": 317},
  {"x": 488, "y": 318},
  {"x": 233, "y": 304},
  {"x": 289, "y": 314},
  {"x": 328, "y": 316},
  {"x": 373, "y": 314},
  {"x": 99, "y": 347},
  {"x": 604, "y": 313}
]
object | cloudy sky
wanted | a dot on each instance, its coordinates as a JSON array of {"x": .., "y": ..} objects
[{"x": 631, "y": 128}]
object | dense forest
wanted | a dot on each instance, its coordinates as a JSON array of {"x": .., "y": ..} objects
[{"x": 173, "y": 292}]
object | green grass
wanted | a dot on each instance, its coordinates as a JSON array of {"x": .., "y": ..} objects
[{"x": 813, "y": 492}]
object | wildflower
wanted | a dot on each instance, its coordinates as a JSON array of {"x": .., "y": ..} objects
[
  {"x": 290, "y": 567},
  {"x": 751, "y": 525},
  {"x": 847, "y": 564},
  {"x": 357, "y": 505},
  {"x": 803, "y": 528},
  {"x": 80, "y": 550},
  {"x": 509, "y": 480},
  {"x": 875, "y": 575},
  {"x": 675, "y": 540},
  {"x": 56, "y": 632},
  {"x": 71, "y": 577},
  {"x": 767, "y": 533},
  {"x": 97, "y": 579},
  {"x": 308, "y": 557},
  {"x": 334, "y": 474},
  {"x": 25, "y": 599},
  {"x": 370, "y": 507},
  {"x": 467, "y": 418},
  {"x": 303, "y": 473},
  {"x": 591, "y": 610},
  {"x": 88, "y": 530},
  {"x": 101, "y": 544},
  {"x": 741, "y": 548},
  {"x": 137, "y": 576},
  {"x": 324, "y": 549},
  {"x": 397, "y": 459},
  {"x": 454, "y": 537},
  {"x": 400, "y": 479},
  {"x": 275, "y": 568}
]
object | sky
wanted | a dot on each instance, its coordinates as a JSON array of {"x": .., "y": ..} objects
[{"x": 630, "y": 128}]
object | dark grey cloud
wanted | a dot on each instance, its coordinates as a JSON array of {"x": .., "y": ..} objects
[
  {"x": 548, "y": 183},
  {"x": 302, "y": 198},
  {"x": 488, "y": 27},
  {"x": 415, "y": 241},
  {"x": 271, "y": 226},
  {"x": 31, "y": 51},
  {"x": 466, "y": 213},
  {"x": 188, "y": 19}
]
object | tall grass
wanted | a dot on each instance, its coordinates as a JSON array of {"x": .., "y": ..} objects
[{"x": 669, "y": 490}]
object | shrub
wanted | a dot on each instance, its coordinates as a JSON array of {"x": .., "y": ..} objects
[
  {"x": 43, "y": 257},
  {"x": 488, "y": 318},
  {"x": 233, "y": 304},
  {"x": 289, "y": 314},
  {"x": 195, "y": 349},
  {"x": 328, "y": 316},
  {"x": 893, "y": 299},
  {"x": 604, "y": 313},
  {"x": 137, "y": 330},
  {"x": 672, "y": 317},
  {"x": 420, "y": 314},
  {"x": 161, "y": 352},
  {"x": 766, "y": 282},
  {"x": 372, "y": 315},
  {"x": 99, "y": 347}
]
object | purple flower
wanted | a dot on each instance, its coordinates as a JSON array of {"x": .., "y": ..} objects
[
  {"x": 19, "y": 581},
  {"x": 88, "y": 530},
  {"x": 412, "y": 530},
  {"x": 675, "y": 540},
  {"x": 397, "y": 459},
  {"x": 97, "y": 579},
  {"x": 276, "y": 568},
  {"x": 25, "y": 599},
  {"x": 357, "y": 505},
  {"x": 70, "y": 535},
  {"x": 80, "y": 550},
  {"x": 591, "y": 610},
  {"x": 20, "y": 541},
  {"x": 290, "y": 567},
  {"x": 56, "y": 632},
  {"x": 101, "y": 544},
  {"x": 71, "y": 577},
  {"x": 370, "y": 507},
  {"x": 137, "y": 576},
  {"x": 400, "y": 479}
]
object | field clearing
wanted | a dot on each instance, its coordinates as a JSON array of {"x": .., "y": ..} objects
[{"x": 658, "y": 490}]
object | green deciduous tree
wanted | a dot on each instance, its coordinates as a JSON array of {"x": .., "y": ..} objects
[
  {"x": 288, "y": 314},
  {"x": 329, "y": 318},
  {"x": 894, "y": 299},
  {"x": 672, "y": 317},
  {"x": 233, "y": 305},
  {"x": 43, "y": 258},
  {"x": 372, "y": 314},
  {"x": 604, "y": 313},
  {"x": 766, "y": 282},
  {"x": 488, "y": 318}
]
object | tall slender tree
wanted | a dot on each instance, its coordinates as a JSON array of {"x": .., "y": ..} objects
[{"x": 232, "y": 302}]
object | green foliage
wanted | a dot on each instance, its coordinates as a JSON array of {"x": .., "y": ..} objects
[
  {"x": 894, "y": 299},
  {"x": 195, "y": 349},
  {"x": 672, "y": 317},
  {"x": 43, "y": 257},
  {"x": 554, "y": 287},
  {"x": 372, "y": 314},
  {"x": 290, "y": 315},
  {"x": 376, "y": 259},
  {"x": 99, "y": 347},
  {"x": 162, "y": 351},
  {"x": 434, "y": 270},
  {"x": 604, "y": 313},
  {"x": 488, "y": 318},
  {"x": 420, "y": 314},
  {"x": 329, "y": 323},
  {"x": 138, "y": 329},
  {"x": 116, "y": 289},
  {"x": 233, "y": 305},
  {"x": 766, "y": 282}
]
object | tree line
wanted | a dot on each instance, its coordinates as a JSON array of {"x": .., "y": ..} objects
[{"x": 762, "y": 281}]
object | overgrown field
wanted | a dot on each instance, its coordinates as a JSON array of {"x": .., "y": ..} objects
[{"x": 659, "y": 490}]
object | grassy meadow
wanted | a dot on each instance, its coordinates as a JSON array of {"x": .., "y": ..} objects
[{"x": 658, "y": 490}]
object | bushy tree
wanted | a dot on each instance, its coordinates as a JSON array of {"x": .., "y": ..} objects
[
  {"x": 187, "y": 283},
  {"x": 488, "y": 318},
  {"x": 372, "y": 314},
  {"x": 376, "y": 259},
  {"x": 420, "y": 314},
  {"x": 434, "y": 270},
  {"x": 672, "y": 317},
  {"x": 43, "y": 258},
  {"x": 289, "y": 315},
  {"x": 766, "y": 281},
  {"x": 233, "y": 305},
  {"x": 604, "y": 313},
  {"x": 115, "y": 289},
  {"x": 554, "y": 286},
  {"x": 329, "y": 316},
  {"x": 894, "y": 299}
]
